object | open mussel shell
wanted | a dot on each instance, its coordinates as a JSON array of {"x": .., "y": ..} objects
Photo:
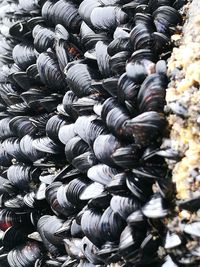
[{"x": 9, "y": 218}]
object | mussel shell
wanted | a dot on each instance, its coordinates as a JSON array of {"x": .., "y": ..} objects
[
  {"x": 107, "y": 18},
  {"x": 124, "y": 205},
  {"x": 49, "y": 71},
  {"x": 24, "y": 56},
  {"x": 104, "y": 146},
  {"x": 102, "y": 173},
  {"x": 90, "y": 226}
]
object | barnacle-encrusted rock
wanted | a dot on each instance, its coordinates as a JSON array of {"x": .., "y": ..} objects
[{"x": 183, "y": 99}]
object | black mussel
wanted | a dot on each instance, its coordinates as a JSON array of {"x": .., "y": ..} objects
[
  {"x": 103, "y": 59},
  {"x": 90, "y": 250},
  {"x": 53, "y": 126},
  {"x": 80, "y": 78},
  {"x": 107, "y": 17},
  {"x": 25, "y": 255},
  {"x": 90, "y": 226},
  {"x": 68, "y": 99},
  {"x": 141, "y": 37},
  {"x": 119, "y": 45},
  {"x": 49, "y": 71},
  {"x": 166, "y": 17},
  {"x": 111, "y": 225},
  {"x": 46, "y": 145},
  {"x": 9, "y": 218},
  {"x": 117, "y": 185},
  {"x": 74, "y": 190},
  {"x": 149, "y": 248},
  {"x": 155, "y": 207},
  {"x": 91, "y": 191},
  {"x": 89, "y": 128},
  {"x": 21, "y": 125},
  {"x": 62, "y": 9},
  {"x": 101, "y": 173},
  {"x": 146, "y": 127},
  {"x": 50, "y": 227},
  {"x": 41, "y": 226},
  {"x": 24, "y": 55},
  {"x": 104, "y": 146},
  {"x": 14, "y": 236},
  {"x": 115, "y": 118},
  {"x": 127, "y": 90},
  {"x": 75, "y": 147},
  {"x": 66, "y": 132},
  {"x": 162, "y": 44},
  {"x": 114, "y": 115},
  {"x": 118, "y": 62},
  {"x": 43, "y": 38},
  {"x": 110, "y": 85},
  {"x": 84, "y": 161},
  {"x": 139, "y": 70},
  {"x": 127, "y": 157},
  {"x": 23, "y": 176},
  {"x": 141, "y": 188},
  {"x": 130, "y": 241},
  {"x": 73, "y": 247},
  {"x": 124, "y": 205},
  {"x": 89, "y": 38},
  {"x": 86, "y": 8},
  {"x": 151, "y": 96}
]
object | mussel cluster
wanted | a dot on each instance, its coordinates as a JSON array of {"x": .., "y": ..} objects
[{"x": 84, "y": 181}]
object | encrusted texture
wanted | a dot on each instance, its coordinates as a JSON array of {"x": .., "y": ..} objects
[{"x": 183, "y": 99}]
